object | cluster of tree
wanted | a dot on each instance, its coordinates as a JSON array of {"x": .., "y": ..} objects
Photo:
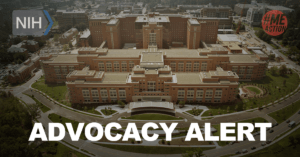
[
  {"x": 197, "y": 153},
  {"x": 264, "y": 36},
  {"x": 15, "y": 127},
  {"x": 282, "y": 70},
  {"x": 81, "y": 26},
  {"x": 6, "y": 57},
  {"x": 64, "y": 28}
]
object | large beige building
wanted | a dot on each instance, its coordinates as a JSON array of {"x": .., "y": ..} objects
[{"x": 103, "y": 75}]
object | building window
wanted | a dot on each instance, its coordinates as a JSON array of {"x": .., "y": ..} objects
[
  {"x": 131, "y": 65},
  {"x": 208, "y": 93},
  {"x": 188, "y": 67},
  {"x": 124, "y": 66},
  {"x": 181, "y": 94},
  {"x": 180, "y": 66},
  {"x": 218, "y": 93},
  {"x": 94, "y": 92},
  {"x": 71, "y": 68},
  {"x": 151, "y": 86},
  {"x": 64, "y": 69},
  {"x": 57, "y": 69},
  {"x": 103, "y": 93},
  {"x": 203, "y": 66},
  {"x": 108, "y": 66},
  {"x": 85, "y": 92},
  {"x": 96, "y": 100},
  {"x": 116, "y": 66},
  {"x": 113, "y": 93},
  {"x": 122, "y": 94},
  {"x": 87, "y": 99},
  {"x": 196, "y": 66},
  {"x": 101, "y": 66},
  {"x": 173, "y": 66},
  {"x": 152, "y": 38},
  {"x": 199, "y": 94},
  {"x": 190, "y": 94}
]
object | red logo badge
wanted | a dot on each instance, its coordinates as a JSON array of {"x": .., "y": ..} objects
[{"x": 274, "y": 22}]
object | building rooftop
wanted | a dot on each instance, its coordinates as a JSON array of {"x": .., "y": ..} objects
[
  {"x": 152, "y": 19},
  {"x": 184, "y": 52},
  {"x": 193, "y": 22},
  {"x": 63, "y": 59},
  {"x": 243, "y": 59},
  {"x": 113, "y": 22},
  {"x": 115, "y": 78},
  {"x": 188, "y": 78}
]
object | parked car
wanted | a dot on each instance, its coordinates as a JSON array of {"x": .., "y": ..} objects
[
  {"x": 269, "y": 141},
  {"x": 271, "y": 131},
  {"x": 268, "y": 129},
  {"x": 237, "y": 152},
  {"x": 287, "y": 121},
  {"x": 244, "y": 150},
  {"x": 299, "y": 112},
  {"x": 263, "y": 144},
  {"x": 252, "y": 148}
]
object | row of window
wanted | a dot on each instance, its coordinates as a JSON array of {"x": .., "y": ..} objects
[
  {"x": 199, "y": 94},
  {"x": 188, "y": 66}
]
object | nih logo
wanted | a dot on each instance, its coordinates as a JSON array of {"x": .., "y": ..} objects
[{"x": 31, "y": 22}]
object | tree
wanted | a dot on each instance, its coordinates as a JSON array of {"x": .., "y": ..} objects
[
  {"x": 284, "y": 41},
  {"x": 188, "y": 154},
  {"x": 85, "y": 108},
  {"x": 65, "y": 48},
  {"x": 271, "y": 57},
  {"x": 284, "y": 82},
  {"x": 274, "y": 70},
  {"x": 34, "y": 111},
  {"x": 198, "y": 152},
  {"x": 283, "y": 70},
  {"x": 83, "y": 5},
  {"x": 70, "y": 45},
  {"x": 89, "y": 7},
  {"x": 55, "y": 38}
]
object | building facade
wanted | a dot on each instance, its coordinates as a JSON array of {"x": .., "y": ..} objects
[
  {"x": 153, "y": 74},
  {"x": 71, "y": 17},
  {"x": 140, "y": 29}
]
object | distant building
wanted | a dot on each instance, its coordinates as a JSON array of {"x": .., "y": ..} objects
[
  {"x": 71, "y": 17},
  {"x": 24, "y": 47},
  {"x": 20, "y": 72},
  {"x": 85, "y": 39},
  {"x": 67, "y": 36},
  {"x": 254, "y": 16}
]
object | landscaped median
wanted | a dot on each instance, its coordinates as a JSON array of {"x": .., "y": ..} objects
[
  {"x": 41, "y": 106},
  {"x": 278, "y": 86},
  {"x": 285, "y": 113},
  {"x": 152, "y": 117}
]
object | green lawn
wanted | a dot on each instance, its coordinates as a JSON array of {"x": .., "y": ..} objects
[
  {"x": 272, "y": 83},
  {"x": 152, "y": 117},
  {"x": 56, "y": 118},
  {"x": 288, "y": 146},
  {"x": 195, "y": 112},
  {"x": 217, "y": 127},
  {"x": 108, "y": 112},
  {"x": 42, "y": 106},
  {"x": 153, "y": 149},
  {"x": 254, "y": 89},
  {"x": 285, "y": 113},
  {"x": 58, "y": 91},
  {"x": 49, "y": 149}
]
